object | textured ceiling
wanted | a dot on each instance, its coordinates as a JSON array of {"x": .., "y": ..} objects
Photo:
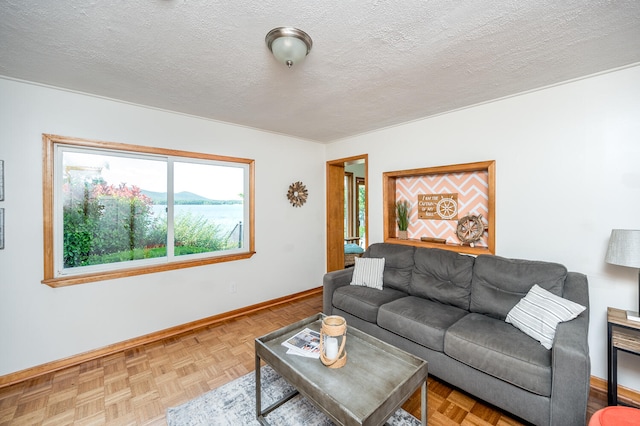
[{"x": 373, "y": 64}]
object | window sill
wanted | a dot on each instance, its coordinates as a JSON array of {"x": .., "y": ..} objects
[{"x": 130, "y": 272}]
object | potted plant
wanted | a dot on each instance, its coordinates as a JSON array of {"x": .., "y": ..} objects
[{"x": 403, "y": 210}]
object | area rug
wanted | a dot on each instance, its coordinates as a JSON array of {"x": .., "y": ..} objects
[{"x": 233, "y": 404}]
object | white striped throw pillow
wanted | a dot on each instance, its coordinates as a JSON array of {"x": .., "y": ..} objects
[
  {"x": 539, "y": 313},
  {"x": 368, "y": 272}
]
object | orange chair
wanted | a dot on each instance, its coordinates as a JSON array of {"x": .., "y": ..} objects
[{"x": 616, "y": 416}]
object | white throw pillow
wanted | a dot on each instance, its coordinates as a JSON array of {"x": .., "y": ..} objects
[
  {"x": 539, "y": 313},
  {"x": 368, "y": 272}
]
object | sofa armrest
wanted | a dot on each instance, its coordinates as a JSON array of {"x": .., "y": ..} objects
[
  {"x": 571, "y": 365},
  {"x": 330, "y": 282},
  {"x": 576, "y": 288}
]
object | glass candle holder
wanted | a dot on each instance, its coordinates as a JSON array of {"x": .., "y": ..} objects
[{"x": 333, "y": 337}]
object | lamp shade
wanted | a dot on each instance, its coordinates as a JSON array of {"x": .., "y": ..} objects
[
  {"x": 289, "y": 45},
  {"x": 624, "y": 248}
]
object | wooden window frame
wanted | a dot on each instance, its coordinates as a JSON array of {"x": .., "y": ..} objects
[{"x": 48, "y": 144}]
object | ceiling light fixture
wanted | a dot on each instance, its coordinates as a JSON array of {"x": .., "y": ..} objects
[{"x": 289, "y": 45}]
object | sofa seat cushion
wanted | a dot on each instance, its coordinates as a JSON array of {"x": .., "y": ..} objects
[
  {"x": 364, "y": 302},
  {"x": 420, "y": 320},
  {"x": 501, "y": 350}
]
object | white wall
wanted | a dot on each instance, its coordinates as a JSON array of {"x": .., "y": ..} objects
[
  {"x": 39, "y": 324},
  {"x": 567, "y": 171}
]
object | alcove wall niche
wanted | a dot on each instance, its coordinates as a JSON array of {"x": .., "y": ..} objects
[{"x": 469, "y": 187}]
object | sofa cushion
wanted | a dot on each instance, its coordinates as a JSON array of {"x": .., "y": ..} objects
[
  {"x": 398, "y": 264},
  {"x": 539, "y": 313},
  {"x": 443, "y": 276},
  {"x": 498, "y": 349},
  {"x": 368, "y": 272},
  {"x": 363, "y": 302},
  {"x": 499, "y": 283},
  {"x": 420, "y": 320},
  {"x": 353, "y": 249}
]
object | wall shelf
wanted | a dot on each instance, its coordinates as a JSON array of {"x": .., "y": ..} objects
[
  {"x": 452, "y": 247},
  {"x": 390, "y": 180}
]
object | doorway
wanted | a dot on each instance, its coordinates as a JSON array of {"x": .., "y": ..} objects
[{"x": 347, "y": 218}]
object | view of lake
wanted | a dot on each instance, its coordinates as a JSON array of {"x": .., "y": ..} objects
[{"x": 225, "y": 215}]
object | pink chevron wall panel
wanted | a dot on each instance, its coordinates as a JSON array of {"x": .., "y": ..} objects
[{"x": 472, "y": 189}]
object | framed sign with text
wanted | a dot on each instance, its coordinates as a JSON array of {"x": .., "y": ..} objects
[{"x": 438, "y": 206}]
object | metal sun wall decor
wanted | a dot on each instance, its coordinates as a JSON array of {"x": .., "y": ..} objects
[{"x": 297, "y": 194}]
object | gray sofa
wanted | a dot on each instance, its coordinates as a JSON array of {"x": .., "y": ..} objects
[{"x": 449, "y": 309}]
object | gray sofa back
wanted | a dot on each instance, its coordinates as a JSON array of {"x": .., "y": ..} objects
[
  {"x": 486, "y": 284},
  {"x": 443, "y": 276},
  {"x": 398, "y": 264},
  {"x": 498, "y": 283}
]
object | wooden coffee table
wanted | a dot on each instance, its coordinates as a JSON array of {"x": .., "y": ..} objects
[{"x": 376, "y": 380}]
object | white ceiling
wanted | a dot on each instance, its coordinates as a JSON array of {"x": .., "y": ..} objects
[{"x": 373, "y": 64}]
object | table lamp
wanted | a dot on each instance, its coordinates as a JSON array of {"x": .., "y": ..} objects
[{"x": 624, "y": 250}]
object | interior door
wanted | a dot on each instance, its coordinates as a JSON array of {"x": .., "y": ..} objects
[
  {"x": 335, "y": 216},
  {"x": 336, "y": 208}
]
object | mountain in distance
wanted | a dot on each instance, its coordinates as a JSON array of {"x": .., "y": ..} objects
[{"x": 184, "y": 197}]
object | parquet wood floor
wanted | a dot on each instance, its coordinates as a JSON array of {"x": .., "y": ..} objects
[{"x": 135, "y": 387}]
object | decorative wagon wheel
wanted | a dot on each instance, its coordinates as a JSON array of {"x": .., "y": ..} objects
[
  {"x": 297, "y": 194},
  {"x": 447, "y": 208},
  {"x": 470, "y": 229}
]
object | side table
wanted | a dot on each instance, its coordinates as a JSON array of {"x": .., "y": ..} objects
[{"x": 622, "y": 335}]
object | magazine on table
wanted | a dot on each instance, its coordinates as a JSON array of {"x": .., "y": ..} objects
[{"x": 304, "y": 343}]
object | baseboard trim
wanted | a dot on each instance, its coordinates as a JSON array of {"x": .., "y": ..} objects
[
  {"x": 625, "y": 395},
  {"x": 71, "y": 361}
]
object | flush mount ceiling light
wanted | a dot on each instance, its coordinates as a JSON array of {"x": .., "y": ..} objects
[{"x": 289, "y": 45}]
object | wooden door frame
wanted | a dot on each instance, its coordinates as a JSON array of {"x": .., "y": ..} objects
[
  {"x": 335, "y": 210},
  {"x": 349, "y": 181},
  {"x": 360, "y": 181}
]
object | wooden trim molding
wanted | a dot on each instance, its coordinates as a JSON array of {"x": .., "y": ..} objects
[
  {"x": 48, "y": 149},
  {"x": 131, "y": 272},
  {"x": 335, "y": 208},
  {"x": 350, "y": 202},
  {"x": 53, "y": 366},
  {"x": 389, "y": 201},
  {"x": 625, "y": 395}
]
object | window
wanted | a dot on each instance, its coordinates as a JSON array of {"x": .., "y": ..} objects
[{"x": 114, "y": 210}]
